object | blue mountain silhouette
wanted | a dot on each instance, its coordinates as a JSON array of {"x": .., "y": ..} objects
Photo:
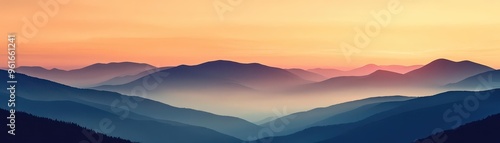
[
  {"x": 482, "y": 131},
  {"x": 31, "y": 128},
  {"x": 482, "y": 81},
  {"x": 150, "y": 121},
  {"x": 403, "y": 121}
]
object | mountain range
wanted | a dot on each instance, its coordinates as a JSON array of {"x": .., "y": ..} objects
[
  {"x": 233, "y": 76},
  {"x": 431, "y": 77},
  {"x": 215, "y": 76},
  {"x": 194, "y": 86},
  {"x": 131, "y": 99}
]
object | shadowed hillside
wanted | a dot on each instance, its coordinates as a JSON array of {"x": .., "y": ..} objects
[
  {"x": 482, "y": 131},
  {"x": 149, "y": 121},
  {"x": 30, "y": 129}
]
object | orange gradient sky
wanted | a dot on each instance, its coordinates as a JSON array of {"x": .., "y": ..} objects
[{"x": 283, "y": 33}]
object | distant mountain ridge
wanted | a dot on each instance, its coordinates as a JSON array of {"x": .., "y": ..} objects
[
  {"x": 87, "y": 76},
  {"x": 307, "y": 75},
  {"x": 445, "y": 71},
  {"x": 253, "y": 75},
  {"x": 430, "y": 77},
  {"x": 364, "y": 70},
  {"x": 483, "y": 81},
  {"x": 129, "y": 78},
  {"x": 218, "y": 75}
]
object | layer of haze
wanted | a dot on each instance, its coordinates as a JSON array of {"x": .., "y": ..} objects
[{"x": 282, "y": 33}]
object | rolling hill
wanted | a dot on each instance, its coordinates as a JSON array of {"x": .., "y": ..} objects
[
  {"x": 483, "y": 81},
  {"x": 307, "y": 119},
  {"x": 31, "y": 128},
  {"x": 483, "y": 131},
  {"x": 409, "y": 120},
  {"x": 43, "y": 92}
]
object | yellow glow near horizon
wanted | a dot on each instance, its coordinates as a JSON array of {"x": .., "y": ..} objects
[{"x": 304, "y": 34}]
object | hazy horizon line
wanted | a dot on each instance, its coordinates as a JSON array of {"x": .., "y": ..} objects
[{"x": 76, "y": 67}]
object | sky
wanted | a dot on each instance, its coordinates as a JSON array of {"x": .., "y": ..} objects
[{"x": 283, "y": 33}]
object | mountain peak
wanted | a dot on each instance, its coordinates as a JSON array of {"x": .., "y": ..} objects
[
  {"x": 32, "y": 68},
  {"x": 441, "y": 61},
  {"x": 228, "y": 63},
  {"x": 220, "y": 62},
  {"x": 370, "y": 66},
  {"x": 115, "y": 65},
  {"x": 383, "y": 73},
  {"x": 56, "y": 69},
  {"x": 468, "y": 62},
  {"x": 444, "y": 71}
]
